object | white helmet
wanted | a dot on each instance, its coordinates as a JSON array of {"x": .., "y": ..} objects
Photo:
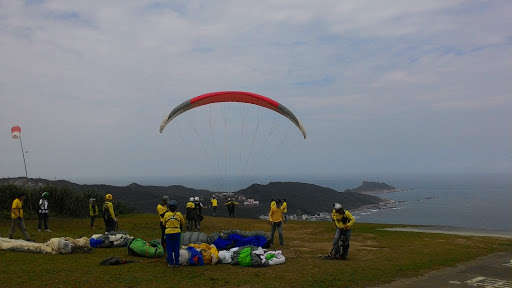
[
  {"x": 197, "y": 198},
  {"x": 337, "y": 206},
  {"x": 191, "y": 199}
]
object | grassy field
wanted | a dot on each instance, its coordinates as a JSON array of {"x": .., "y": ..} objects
[{"x": 376, "y": 257}]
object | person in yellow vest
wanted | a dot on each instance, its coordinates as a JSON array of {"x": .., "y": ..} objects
[
  {"x": 272, "y": 203},
  {"x": 214, "y": 205},
  {"x": 17, "y": 217},
  {"x": 285, "y": 210},
  {"x": 93, "y": 211},
  {"x": 191, "y": 214},
  {"x": 109, "y": 217},
  {"x": 161, "y": 209},
  {"x": 275, "y": 216},
  {"x": 174, "y": 223},
  {"x": 344, "y": 222},
  {"x": 231, "y": 207}
]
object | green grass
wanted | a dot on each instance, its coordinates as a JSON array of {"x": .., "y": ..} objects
[{"x": 376, "y": 257}]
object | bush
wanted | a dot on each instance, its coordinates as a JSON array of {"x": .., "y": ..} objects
[{"x": 62, "y": 201}]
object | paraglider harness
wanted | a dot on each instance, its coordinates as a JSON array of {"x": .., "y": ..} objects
[
  {"x": 338, "y": 255},
  {"x": 107, "y": 217}
]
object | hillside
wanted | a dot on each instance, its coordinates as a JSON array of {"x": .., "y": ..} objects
[{"x": 302, "y": 198}]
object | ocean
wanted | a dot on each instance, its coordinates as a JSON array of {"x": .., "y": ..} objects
[
  {"x": 476, "y": 201},
  {"x": 466, "y": 201}
]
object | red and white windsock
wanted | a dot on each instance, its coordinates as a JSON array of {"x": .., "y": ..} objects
[{"x": 15, "y": 132}]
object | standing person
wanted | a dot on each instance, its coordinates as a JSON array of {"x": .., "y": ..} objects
[
  {"x": 161, "y": 209},
  {"x": 344, "y": 222},
  {"x": 17, "y": 217},
  {"x": 199, "y": 213},
  {"x": 214, "y": 205},
  {"x": 43, "y": 212},
  {"x": 109, "y": 217},
  {"x": 272, "y": 203},
  {"x": 231, "y": 207},
  {"x": 191, "y": 214},
  {"x": 174, "y": 222},
  {"x": 275, "y": 216},
  {"x": 285, "y": 210},
  {"x": 93, "y": 211}
]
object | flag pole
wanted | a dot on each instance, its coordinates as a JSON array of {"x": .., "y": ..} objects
[
  {"x": 23, "y": 154},
  {"x": 26, "y": 174}
]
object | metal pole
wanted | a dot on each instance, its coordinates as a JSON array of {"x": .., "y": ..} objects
[
  {"x": 26, "y": 174},
  {"x": 23, "y": 154}
]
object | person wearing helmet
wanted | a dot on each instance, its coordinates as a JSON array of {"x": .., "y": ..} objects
[
  {"x": 174, "y": 222},
  {"x": 344, "y": 222},
  {"x": 43, "y": 212},
  {"x": 109, "y": 217},
  {"x": 198, "y": 207},
  {"x": 161, "y": 209},
  {"x": 93, "y": 211},
  {"x": 191, "y": 214}
]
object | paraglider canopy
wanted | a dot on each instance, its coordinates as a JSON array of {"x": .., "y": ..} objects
[{"x": 233, "y": 96}]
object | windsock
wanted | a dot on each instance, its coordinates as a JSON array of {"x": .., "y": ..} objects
[{"x": 15, "y": 132}]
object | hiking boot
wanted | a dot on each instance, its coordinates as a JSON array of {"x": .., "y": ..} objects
[
  {"x": 48, "y": 230},
  {"x": 38, "y": 230}
]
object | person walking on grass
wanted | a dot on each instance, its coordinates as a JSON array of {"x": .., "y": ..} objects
[
  {"x": 191, "y": 214},
  {"x": 174, "y": 223},
  {"x": 109, "y": 217},
  {"x": 285, "y": 211},
  {"x": 93, "y": 211},
  {"x": 43, "y": 212},
  {"x": 214, "y": 205},
  {"x": 231, "y": 207},
  {"x": 344, "y": 222},
  {"x": 161, "y": 209},
  {"x": 199, "y": 213},
  {"x": 275, "y": 216},
  {"x": 17, "y": 217}
]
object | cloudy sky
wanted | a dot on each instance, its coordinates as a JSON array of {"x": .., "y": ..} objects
[{"x": 380, "y": 86}]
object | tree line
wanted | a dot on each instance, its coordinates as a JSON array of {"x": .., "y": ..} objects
[{"x": 63, "y": 201}]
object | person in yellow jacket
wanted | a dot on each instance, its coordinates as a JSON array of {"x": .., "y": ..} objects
[
  {"x": 285, "y": 210},
  {"x": 93, "y": 211},
  {"x": 17, "y": 217},
  {"x": 109, "y": 217},
  {"x": 174, "y": 223},
  {"x": 344, "y": 222},
  {"x": 275, "y": 216},
  {"x": 191, "y": 214},
  {"x": 161, "y": 209},
  {"x": 214, "y": 205}
]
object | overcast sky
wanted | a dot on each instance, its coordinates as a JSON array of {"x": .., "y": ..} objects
[{"x": 380, "y": 86}]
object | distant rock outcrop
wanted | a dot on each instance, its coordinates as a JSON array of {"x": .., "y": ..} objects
[{"x": 372, "y": 187}]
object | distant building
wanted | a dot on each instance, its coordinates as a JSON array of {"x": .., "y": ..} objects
[{"x": 251, "y": 202}]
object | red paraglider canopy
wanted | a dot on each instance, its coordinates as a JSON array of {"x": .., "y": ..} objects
[{"x": 233, "y": 96}]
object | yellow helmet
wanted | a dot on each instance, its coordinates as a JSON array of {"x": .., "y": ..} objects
[{"x": 108, "y": 197}]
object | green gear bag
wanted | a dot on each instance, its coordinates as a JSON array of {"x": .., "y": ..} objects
[{"x": 141, "y": 248}]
